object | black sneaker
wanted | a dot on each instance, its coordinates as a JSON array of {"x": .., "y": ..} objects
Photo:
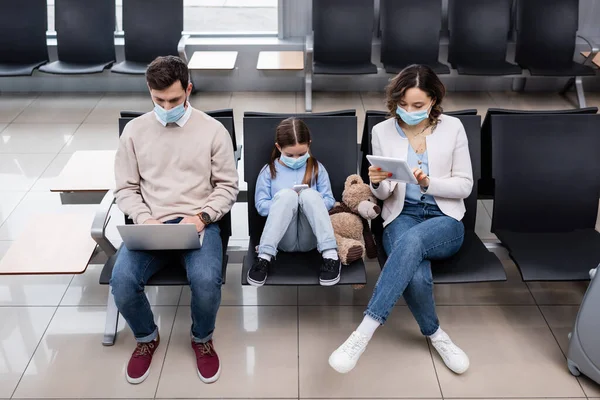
[
  {"x": 330, "y": 272},
  {"x": 258, "y": 273}
]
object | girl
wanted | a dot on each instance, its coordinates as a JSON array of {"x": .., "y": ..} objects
[
  {"x": 422, "y": 222},
  {"x": 297, "y": 217}
]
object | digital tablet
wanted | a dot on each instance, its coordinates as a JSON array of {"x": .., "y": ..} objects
[{"x": 399, "y": 168}]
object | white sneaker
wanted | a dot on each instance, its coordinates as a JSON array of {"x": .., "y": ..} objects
[
  {"x": 344, "y": 359},
  {"x": 454, "y": 358}
]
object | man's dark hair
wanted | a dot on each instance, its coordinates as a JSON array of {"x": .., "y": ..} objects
[{"x": 165, "y": 71}]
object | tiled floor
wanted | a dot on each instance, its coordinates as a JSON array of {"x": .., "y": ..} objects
[{"x": 274, "y": 341}]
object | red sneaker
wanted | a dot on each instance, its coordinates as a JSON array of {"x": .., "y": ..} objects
[
  {"x": 209, "y": 366},
  {"x": 138, "y": 368}
]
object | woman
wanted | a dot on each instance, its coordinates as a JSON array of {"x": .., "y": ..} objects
[
  {"x": 422, "y": 222},
  {"x": 294, "y": 193}
]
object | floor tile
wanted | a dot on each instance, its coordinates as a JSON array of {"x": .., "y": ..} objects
[
  {"x": 373, "y": 101},
  {"x": 397, "y": 358},
  {"x": 36, "y": 203},
  {"x": 239, "y": 221},
  {"x": 561, "y": 320},
  {"x": 558, "y": 293},
  {"x": 210, "y": 101},
  {"x": 234, "y": 294},
  {"x": 18, "y": 172},
  {"x": 8, "y": 202},
  {"x": 483, "y": 223},
  {"x": 35, "y": 138},
  {"x": 33, "y": 290},
  {"x": 530, "y": 101},
  {"x": 62, "y": 108},
  {"x": 20, "y": 332},
  {"x": 481, "y": 101},
  {"x": 12, "y": 104},
  {"x": 524, "y": 354},
  {"x": 85, "y": 290},
  {"x": 2, "y": 127},
  {"x": 109, "y": 108},
  {"x": 94, "y": 137},
  {"x": 342, "y": 295},
  {"x": 47, "y": 179},
  {"x": 513, "y": 291},
  {"x": 66, "y": 362},
  {"x": 4, "y": 246},
  {"x": 258, "y": 351}
]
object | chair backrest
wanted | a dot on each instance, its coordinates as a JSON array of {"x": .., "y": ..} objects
[
  {"x": 23, "y": 26},
  {"x": 546, "y": 32},
  {"x": 224, "y": 116},
  {"x": 410, "y": 31},
  {"x": 331, "y": 145},
  {"x": 472, "y": 123},
  {"x": 85, "y": 31},
  {"x": 343, "y": 31},
  {"x": 478, "y": 30},
  {"x": 152, "y": 28},
  {"x": 546, "y": 169},
  {"x": 486, "y": 135},
  {"x": 227, "y": 121},
  {"x": 341, "y": 113}
]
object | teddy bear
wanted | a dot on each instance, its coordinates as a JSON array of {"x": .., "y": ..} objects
[{"x": 350, "y": 221}]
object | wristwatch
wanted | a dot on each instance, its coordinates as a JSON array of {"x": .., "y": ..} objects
[{"x": 205, "y": 218}]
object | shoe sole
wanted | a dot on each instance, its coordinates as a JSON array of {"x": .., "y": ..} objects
[
  {"x": 136, "y": 381},
  {"x": 254, "y": 283},
  {"x": 341, "y": 371},
  {"x": 212, "y": 379},
  {"x": 333, "y": 281}
]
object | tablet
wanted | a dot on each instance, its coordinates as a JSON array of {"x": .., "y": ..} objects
[{"x": 399, "y": 168}]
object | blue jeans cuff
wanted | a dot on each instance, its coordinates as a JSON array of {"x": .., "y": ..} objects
[
  {"x": 328, "y": 245},
  {"x": 149, "y": 338},
  {"x": 203, "y": 340},
  {"x": 376, "y": 317},
  {"x": 267, "y": 250}
]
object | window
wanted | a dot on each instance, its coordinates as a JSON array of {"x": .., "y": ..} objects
[{"x": 230, "y": 16}]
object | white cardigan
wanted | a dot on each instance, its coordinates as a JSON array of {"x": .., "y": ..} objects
[{"x": 450, "y": 172}]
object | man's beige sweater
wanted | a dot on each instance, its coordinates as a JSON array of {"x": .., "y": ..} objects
[{"x": 165, "y": 172}]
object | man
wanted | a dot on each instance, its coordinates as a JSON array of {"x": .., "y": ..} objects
[{"x": 174, "y": 165}]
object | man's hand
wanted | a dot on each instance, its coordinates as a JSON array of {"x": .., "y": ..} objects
[
  {"x": 152, "y": 222},
  {"x": 194, "y": 220}
]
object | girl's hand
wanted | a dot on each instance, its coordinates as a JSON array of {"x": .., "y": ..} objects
[
  {"x": 376, "y": 175},
  {"x": 422, "y": 178}
]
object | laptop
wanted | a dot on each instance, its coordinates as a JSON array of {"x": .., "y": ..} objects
[{"x": 161, "y": 237}]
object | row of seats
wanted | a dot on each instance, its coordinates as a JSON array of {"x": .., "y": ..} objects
[
  {"x": 86, "y": 35},
  {"x": 543, "y": 216},
  {"x": 479, "y": 32}
]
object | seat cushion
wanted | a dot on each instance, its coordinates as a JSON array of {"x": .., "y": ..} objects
[
  {"x": 302, "y": 269},
  {"x": 344, "y": 69},
  {"x": 488, "y": 69},
  {"x": 19, "y": 69},
  {"x": 553, "y": 256},
  {"x": 173, "y": 275},
  {"x": 473, "y": 263},
  {"x": 64, "y": 68},
  {"x": 130, "y": 68},
  {"x": 574, "y": 69},
  {"x": 436, "y": 66}
]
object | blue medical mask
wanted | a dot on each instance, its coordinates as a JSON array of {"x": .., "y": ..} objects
[
  {"x": 172, "y": 115},
  {"x": 412, "y": 118},
  {"x": 295, "y": 163}
]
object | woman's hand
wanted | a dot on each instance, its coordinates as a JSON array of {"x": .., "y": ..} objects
[
  {"x": 376, "y": 175},
  {"x": 422, "y": 178}
]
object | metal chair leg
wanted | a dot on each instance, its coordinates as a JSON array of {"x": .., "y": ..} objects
[
  {"x": 112, "y": 320},
  {"x": 580, "y": 92}
]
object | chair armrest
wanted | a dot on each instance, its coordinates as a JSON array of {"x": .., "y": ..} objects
[
  {"x": 101, "y": 221},
  {"x": 594, "y": 48},
  {"x": 181, "y": 48},
  {"x": 238, "y": 155}
]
